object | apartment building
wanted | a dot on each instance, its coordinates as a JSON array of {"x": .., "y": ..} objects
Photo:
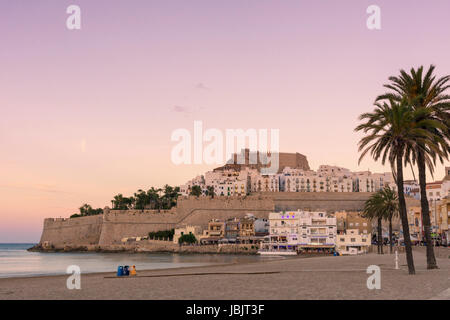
[
  {"x": 232, "y": 182},
  {"x": 215, "y": 231},
  {"x": 247, "y": 226},
  {"x": 352, "y": 242},
  {"x": 316, "y": 230},
  {"x": 303, "y": 230},
  {"x": 265, "y": 183},
  {"x": 434, "y": 191},
  {"x": 232, "y": 229},
  {"x": 352, "y": 220}
]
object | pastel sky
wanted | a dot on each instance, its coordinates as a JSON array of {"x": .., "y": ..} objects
[{"x": 87, "y": 114}]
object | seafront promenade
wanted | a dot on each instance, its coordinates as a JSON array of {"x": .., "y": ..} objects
[{"x": 326, "y": 277}]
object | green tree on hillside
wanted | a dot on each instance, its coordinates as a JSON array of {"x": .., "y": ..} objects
[
  {"x": 187, "y": 238},
  {"x": 196, "y": 191}
]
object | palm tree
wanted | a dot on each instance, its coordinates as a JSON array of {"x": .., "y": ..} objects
[
  {"x": 119, "y": 202},
  {"x": 390, "y": 204},
  {"x": 154, "y": 199},
  {"x": 373, "y": 209},
  {"x": 141, "y": 199},
  {"x": 425, "y": 92},
  {"x": 392, "y": 130},
  {"x": 196, "y": 191},
  {"x": 210, "y": 191}
]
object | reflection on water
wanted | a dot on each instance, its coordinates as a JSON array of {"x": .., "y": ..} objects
[{"x": 15, "y": 261}]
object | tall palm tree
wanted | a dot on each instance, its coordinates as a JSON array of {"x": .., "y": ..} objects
[
  {"x": 374, "y": 210},
  {"x": 154, "y": 199},
  {"x": 425, "y": 92},
  {"x": 393, "y": 129}
]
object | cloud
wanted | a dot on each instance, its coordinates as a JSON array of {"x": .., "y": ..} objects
[
  {"x": 36, "y": 187},
  {"x": 181, "y": 109},
  {"x": 186, "y": 111},
  {"x": 202, "y": 86}
]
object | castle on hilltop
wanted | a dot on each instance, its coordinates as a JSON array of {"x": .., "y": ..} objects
[
  {"x": 242, "y": 175},
  {"x": 243, "y": 161}
]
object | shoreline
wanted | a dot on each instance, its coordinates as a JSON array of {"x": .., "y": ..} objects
[
  {"x": 152, "y": 247},
  {"x": 290, "y": 278},
  {"x": 184, "y": 268}
]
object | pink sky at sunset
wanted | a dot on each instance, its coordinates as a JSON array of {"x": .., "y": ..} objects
[{"x": 87, "y": 114}]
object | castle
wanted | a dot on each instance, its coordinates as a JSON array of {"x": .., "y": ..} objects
[{"x": 240, "y": 189}]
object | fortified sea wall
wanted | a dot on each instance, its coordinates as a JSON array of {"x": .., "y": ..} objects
[
  {"x": 80, "y": 231},
  {"x": 110, "y": 227}
]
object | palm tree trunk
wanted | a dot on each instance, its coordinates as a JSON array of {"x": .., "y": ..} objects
[
  {"x": 390, "y": 235},
  {"x": 380, "y": 236},
  {"x": 403, "y": 216},
  {"x": 431, "y": 259}
]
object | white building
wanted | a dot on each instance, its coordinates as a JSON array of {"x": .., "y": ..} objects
[
  {"x": 325, "y": 179},
  {"x": 303, "y": 229},
  {"x": 353, "y": 242},
  {"x": 317, "y": 230},
  {"x": 265, "y": 183}
]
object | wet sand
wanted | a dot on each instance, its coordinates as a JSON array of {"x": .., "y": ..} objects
[{"x": 324, "y": 277}]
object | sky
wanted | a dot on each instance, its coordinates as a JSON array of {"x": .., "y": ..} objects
[{"x": 87, "y": 114}]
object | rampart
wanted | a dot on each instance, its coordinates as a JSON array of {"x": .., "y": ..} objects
[
  {"x": 80, "y": 231},
  {"x": 110, "y": 227}
]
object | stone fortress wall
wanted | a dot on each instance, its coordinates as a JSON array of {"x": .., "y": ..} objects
[
  {"x": 110, "y": 227},
  {"x": 81, "y": 231}
]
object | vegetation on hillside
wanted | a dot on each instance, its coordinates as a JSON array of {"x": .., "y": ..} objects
[
  {"x": 87, "y": 210},
  {"x": 156, "y": 199},
  {"x": 163, "y": 234},
  {"x": 187, "y": 238}
]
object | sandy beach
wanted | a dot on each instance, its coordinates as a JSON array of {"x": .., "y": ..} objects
[{"x": 324, "y": 277}]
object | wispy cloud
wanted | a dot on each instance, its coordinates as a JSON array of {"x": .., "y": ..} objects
[
  {"x": 35, "y": 187},
  {"x": 181, "y": 109},
  {"x": 202, "y": 86}
]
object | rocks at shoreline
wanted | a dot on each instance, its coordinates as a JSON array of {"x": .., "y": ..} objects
[{"x": 151, "y": 248}]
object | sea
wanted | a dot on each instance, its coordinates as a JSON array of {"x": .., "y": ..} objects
[{"x": 16, "y": 261}]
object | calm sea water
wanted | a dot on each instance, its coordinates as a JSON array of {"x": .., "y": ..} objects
[{"x": 15, "y": 261}]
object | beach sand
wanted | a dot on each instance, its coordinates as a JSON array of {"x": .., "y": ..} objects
[{"x": 324, "y": 277}]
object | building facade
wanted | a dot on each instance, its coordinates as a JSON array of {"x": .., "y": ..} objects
[
  {"x": 353, "y": 242},
  {"x": 303, "y": 230}
]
